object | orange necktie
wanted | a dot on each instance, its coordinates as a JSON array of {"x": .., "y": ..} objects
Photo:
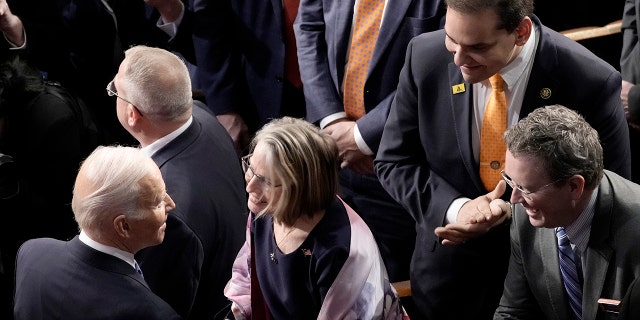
[
  {"x": 363, "y": 40},
  {"x": 494, "y": 124}
]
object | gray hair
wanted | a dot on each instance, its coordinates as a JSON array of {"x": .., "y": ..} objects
[
  {"x": 157, "y": 83},
  {"x": 304, "y": 161},
  {"x": 561, "y": 138},
  {"x": 111, "y": 176}
]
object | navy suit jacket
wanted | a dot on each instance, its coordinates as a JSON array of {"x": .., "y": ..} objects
[
  {"x": 323, "y": 30},
  {"x": 533, "y": 288},
  {"x": 70, "y": 280},
  {"x": 207, "y": 228},
  {"x": 425, "y": 160},
  {"x": 240, "y": 48}
]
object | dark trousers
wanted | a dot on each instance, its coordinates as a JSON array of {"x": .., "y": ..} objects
[{"x": 392, "y": 227}]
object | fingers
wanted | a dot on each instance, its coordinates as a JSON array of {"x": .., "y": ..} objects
[
  {"x": 456, "y": 233},
  {"x": 498, "y": 191},
  {"x": 449, "y": 236}
]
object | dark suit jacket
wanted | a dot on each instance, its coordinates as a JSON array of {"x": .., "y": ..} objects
[
  {"x": 630, "y": 56},
  {"x": 207, "y": 228},
  {"x": 533, "y": 288},
  {"x": 70, "y": 280},
  {"x": 426, "y": 160},
  {"x": 630, "y": 306},
  {"x": 240, "y": 47},
  {"x": 323, "y": 30}
]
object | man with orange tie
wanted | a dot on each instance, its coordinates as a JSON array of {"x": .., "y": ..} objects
[
  {"x": 433, "y": 154},
  {"x": 350, "y": 56}
]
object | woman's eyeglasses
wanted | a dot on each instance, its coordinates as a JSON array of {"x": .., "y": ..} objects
[{"x": 249, "y": 174}]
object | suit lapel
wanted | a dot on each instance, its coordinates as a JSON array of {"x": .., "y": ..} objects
[
  {"x": 599, "y": 251},
  {"x": 278, "y": 12},
  {"x": 393, "y": 16},
  {"x": 462, "y": 113},
  {"x": 548, "y": 247},
  {"x": 541, "y": 87}
]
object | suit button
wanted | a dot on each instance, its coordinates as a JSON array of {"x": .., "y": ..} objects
[{"x": 279, "y": 79}]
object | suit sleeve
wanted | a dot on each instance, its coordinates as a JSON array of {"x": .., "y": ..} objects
[
  {"x": 183, "y": 40},
  {"x": 218, "y": 64},
  {"x": 630, "y": 56},
  {"x": 402, "y": 164},
  {"x": 321, "y": 93},
  {"x": 372, "y": 123}
]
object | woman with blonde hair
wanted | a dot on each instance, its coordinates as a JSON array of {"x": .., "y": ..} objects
[{"x": 308, "y": 254}]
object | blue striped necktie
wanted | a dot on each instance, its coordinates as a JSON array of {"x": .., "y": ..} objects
[
  {"x": 569, "y": 272},
  {"x": 138, "y": 270}
]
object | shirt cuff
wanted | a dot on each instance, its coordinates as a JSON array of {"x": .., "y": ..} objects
[
  {"x": 13, "y": 46},
  {"x": 364, "y": 148},
  {"x": 454, "y": 208},
  {"x": 331, "y": 118},
  {"x": 171, "y": 28}
]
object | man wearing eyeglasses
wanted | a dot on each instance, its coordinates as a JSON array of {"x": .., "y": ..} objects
[
  {"x": 554, "y": 162},
  {"x": 199, "y": 164},
  {"x": 431, "y": 156}
]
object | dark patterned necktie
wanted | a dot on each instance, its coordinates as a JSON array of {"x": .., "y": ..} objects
[{"x": 569, "y": 271}]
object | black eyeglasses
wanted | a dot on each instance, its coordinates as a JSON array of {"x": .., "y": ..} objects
[
  {"x": 249, "y": 174},
  {"x": 112, "y": 92},
  {"x": 526, "y": 193}
]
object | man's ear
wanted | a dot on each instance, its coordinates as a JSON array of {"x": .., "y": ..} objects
[
  {"x": 121, "y": 225},
  {"x": 133, "y": 115},
  {"x": 523, "y": 31},
  {"x": 576, "y": 184}
]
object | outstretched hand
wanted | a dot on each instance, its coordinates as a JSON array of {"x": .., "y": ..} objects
[{"x": 477, "y": 217}]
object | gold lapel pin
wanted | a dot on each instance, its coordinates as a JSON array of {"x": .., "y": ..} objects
[
  {"x": 545, "y": 93},
  {"x": 458, "y": 88}
]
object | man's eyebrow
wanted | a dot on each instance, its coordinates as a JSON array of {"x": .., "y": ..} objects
[{"x": 450, "y": 38}]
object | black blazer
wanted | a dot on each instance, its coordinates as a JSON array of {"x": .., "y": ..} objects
[
  {"x": 70, "y": 280},
  {"x": 207, "y": 228}
]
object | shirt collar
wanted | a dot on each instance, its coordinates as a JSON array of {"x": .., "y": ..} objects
[
  {"x": 580, "y": 230},
  {"x": 121, "y": 254},
  {"x": 513, "y": 71},
  {"x": 160, "y": 143}
]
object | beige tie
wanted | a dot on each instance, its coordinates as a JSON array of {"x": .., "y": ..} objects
[
  {"x": 494, "y": 124},
  {"x": 363, "y": 40}
]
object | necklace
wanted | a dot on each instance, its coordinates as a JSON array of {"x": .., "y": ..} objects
[{"x": 282, "y": 241}]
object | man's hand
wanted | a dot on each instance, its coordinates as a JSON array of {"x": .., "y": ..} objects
[
  {"x": 236, "y": 128},
  {"x": 477, "y": 217},
  {"x": 342, "y": 132},
  {"x": 624, "y": 96},
  {"x": 169, "y": 9},
  {"x": 624, "y": 93},
  {"x": 11, "y": 25}
]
